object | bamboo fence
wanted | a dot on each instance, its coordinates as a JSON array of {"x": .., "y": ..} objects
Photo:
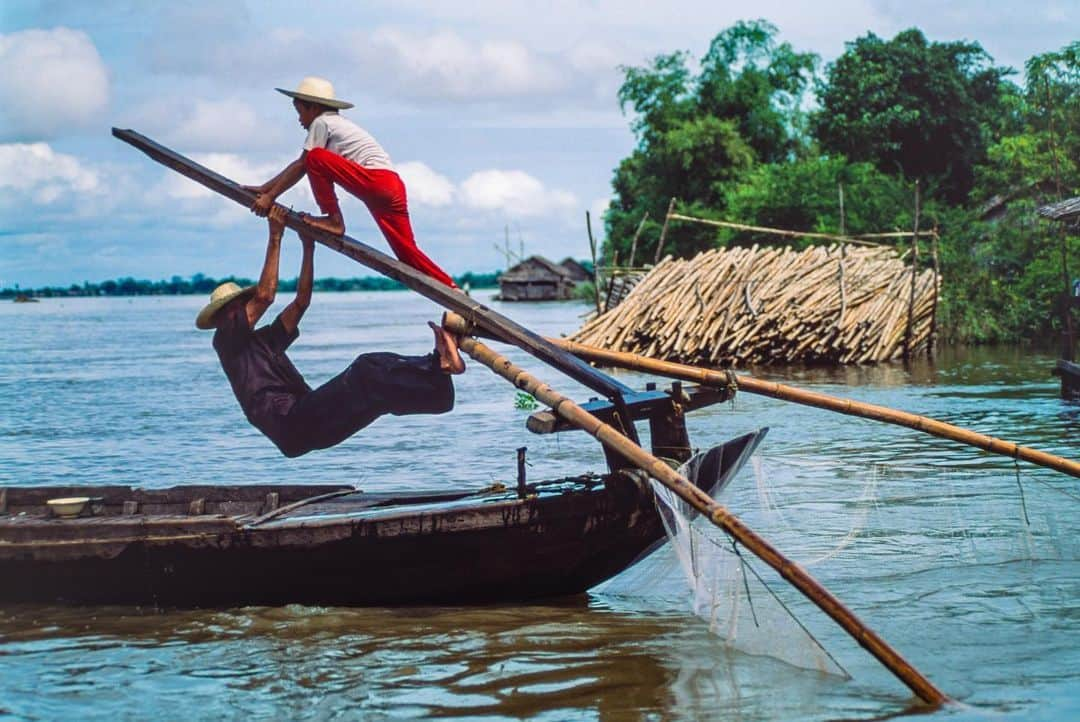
[{"x": 740, "y": 306}]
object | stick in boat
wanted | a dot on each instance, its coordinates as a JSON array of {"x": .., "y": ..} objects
[
  {"x": 454, "y": 300},
  {"x": 716, "y": 513},
  {"x": 720, "y": 379}
]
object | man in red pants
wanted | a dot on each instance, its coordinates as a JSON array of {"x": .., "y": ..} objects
[{"x": 339, "y": 151}]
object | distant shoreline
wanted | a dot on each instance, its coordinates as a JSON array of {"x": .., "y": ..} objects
[{"x": 202, "y": 285}]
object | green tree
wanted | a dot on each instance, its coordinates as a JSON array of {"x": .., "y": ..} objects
[
  {"x": 922, "y": 109},
  {"x": 698, "y": 134},
  {"x": 1017, "y": 262},
  {"x": 804, "y": 195}
]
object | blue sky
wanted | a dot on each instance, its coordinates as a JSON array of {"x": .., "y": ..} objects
[{"x": 497, "y": 114}]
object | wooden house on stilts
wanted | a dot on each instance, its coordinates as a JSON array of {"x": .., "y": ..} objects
[{"x": 539, "y": 279}]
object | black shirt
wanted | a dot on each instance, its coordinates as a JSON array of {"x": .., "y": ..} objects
[{"x": 263, "y": 378}]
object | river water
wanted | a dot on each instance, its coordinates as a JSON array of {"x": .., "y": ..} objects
[{"x": 965, "y": 562}]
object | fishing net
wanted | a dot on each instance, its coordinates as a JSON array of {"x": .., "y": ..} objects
[
  {"x": 725, "y": 589},
  {"x": 902, "y": 543}
]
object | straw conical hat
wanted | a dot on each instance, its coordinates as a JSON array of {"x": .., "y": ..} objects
[
  {"x": 316, "y": 90},
  {"x": 218, "y": 298}
]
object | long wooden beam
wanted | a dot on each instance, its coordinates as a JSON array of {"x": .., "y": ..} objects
[
  {"x": 454, "y": 300},
  {"x": 715, "y": 512},
  {"x": 721, "y": 379}
]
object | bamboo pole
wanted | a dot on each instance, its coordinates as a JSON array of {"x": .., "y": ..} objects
[
  {"x": 772, "y": 231},
  {"x": 908, "y": 341},
  {"x": 637, "y": 235},
  {"x": 931, "y": 344},
  {"x": 891, "y": 234},
  {"x": 720, "y": 379},
  {"x": 840, "y": 189},
  {"x": 715, "y": 512},
  {"x": 663, "y": 231},
  {"x": 595, "y": 265}
]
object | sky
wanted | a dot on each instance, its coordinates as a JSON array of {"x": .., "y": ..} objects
[{"x": 501, "y": 116}]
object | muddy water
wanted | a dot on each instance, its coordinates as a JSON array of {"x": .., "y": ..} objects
[{"x": 929, "y": 543}]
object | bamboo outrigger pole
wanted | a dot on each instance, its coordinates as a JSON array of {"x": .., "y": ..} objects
[
  {"x": 715, "y": 512},
  {"x": 721, "y": 379},
  {"x": 623, "y": 441}
]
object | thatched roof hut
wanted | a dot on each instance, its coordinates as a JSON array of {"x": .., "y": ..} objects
[
  {"x": 536, "y": 279},
  {"x": 577, "y": 272}
]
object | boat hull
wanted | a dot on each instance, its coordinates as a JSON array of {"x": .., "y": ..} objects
[
  {"x": 350, "y": 549},
  {"x": 1070, "y": 379}
]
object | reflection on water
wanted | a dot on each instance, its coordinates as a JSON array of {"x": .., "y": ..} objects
[
  {"x": 556, "y": 661},
  {"x": 926, "y": 541}
]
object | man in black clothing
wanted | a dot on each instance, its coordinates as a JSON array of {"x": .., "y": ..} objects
[{"x": 274, "y": 396}]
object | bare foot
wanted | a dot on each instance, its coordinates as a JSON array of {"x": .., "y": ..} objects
[
  {"x": 334, "y": 225},
  {"x": 446, "y": 345}
]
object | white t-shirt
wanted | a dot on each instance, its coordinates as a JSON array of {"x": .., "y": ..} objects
[{"x": 347, "y": 139}]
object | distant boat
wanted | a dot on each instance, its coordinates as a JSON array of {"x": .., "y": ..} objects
[
  {"x": 23, "y": 298},
  {"x": 1070, "y": 379}
]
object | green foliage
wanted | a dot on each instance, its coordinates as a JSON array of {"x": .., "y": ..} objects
[
  {"x": 585, "y": 291},
  {"x": 732, "y": 142},
  {"x": 525, "y": 402},
  {"x": 749, "y": 78},
  {"x": 1010, "y": 280},
  {"x": 912, "y": 107},
  {"x": 804, "y": 195},
  {"x": 698, "y": 134}
]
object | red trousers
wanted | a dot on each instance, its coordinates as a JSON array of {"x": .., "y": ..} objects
[{"x": 382, "y": 192}]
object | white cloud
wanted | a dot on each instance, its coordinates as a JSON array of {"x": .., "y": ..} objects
[
  {"x": 35, "y": 172},
  {"x": 425, "y": 186},
  {"x": 445, "y": 65},
  {"x": 230, "y": 165},
  {"x": 216, "y": 125},
  {"x": 515, "y": 193},
  {"x": 51, "y": 81},
  {"x": 193, "y": 204}
]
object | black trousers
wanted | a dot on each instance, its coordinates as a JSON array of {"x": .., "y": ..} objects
[{"x": 374, "y": 384}]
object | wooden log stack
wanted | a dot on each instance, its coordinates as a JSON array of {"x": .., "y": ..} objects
[{"x": 745, "y": 306}]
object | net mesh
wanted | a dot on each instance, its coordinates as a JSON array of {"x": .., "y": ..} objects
[
  {"x": 725, "y": 590},
  {"x": 902, "y": 544}
]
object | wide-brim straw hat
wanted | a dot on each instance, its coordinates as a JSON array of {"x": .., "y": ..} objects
[
  {"x": 219, "y": 297},
  {"x": 316, "y": 90}
]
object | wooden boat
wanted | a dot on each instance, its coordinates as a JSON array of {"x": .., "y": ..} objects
[
  {"x": 1069, "y": 372},
  {"x": 240, "y": 545}
]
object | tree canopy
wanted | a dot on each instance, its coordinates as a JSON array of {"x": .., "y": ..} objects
[
  {"x": 753, "y": 133},
  {"x": 912, "y": 107},
  {"x": 699, "y": 132}
]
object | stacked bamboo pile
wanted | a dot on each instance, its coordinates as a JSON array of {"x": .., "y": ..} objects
[{"x": 742, "y": 306}]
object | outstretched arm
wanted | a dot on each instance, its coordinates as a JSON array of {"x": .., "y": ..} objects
[
  {"x": 268, "y": 280},
  {"x": 290, "y": 317},
  {"x": 271, "y": 189}
]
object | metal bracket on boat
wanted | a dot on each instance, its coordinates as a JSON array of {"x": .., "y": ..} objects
[{"x": 641, "y": 405}]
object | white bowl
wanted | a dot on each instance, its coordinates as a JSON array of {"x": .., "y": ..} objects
[{"x": 68, "y": 507}]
